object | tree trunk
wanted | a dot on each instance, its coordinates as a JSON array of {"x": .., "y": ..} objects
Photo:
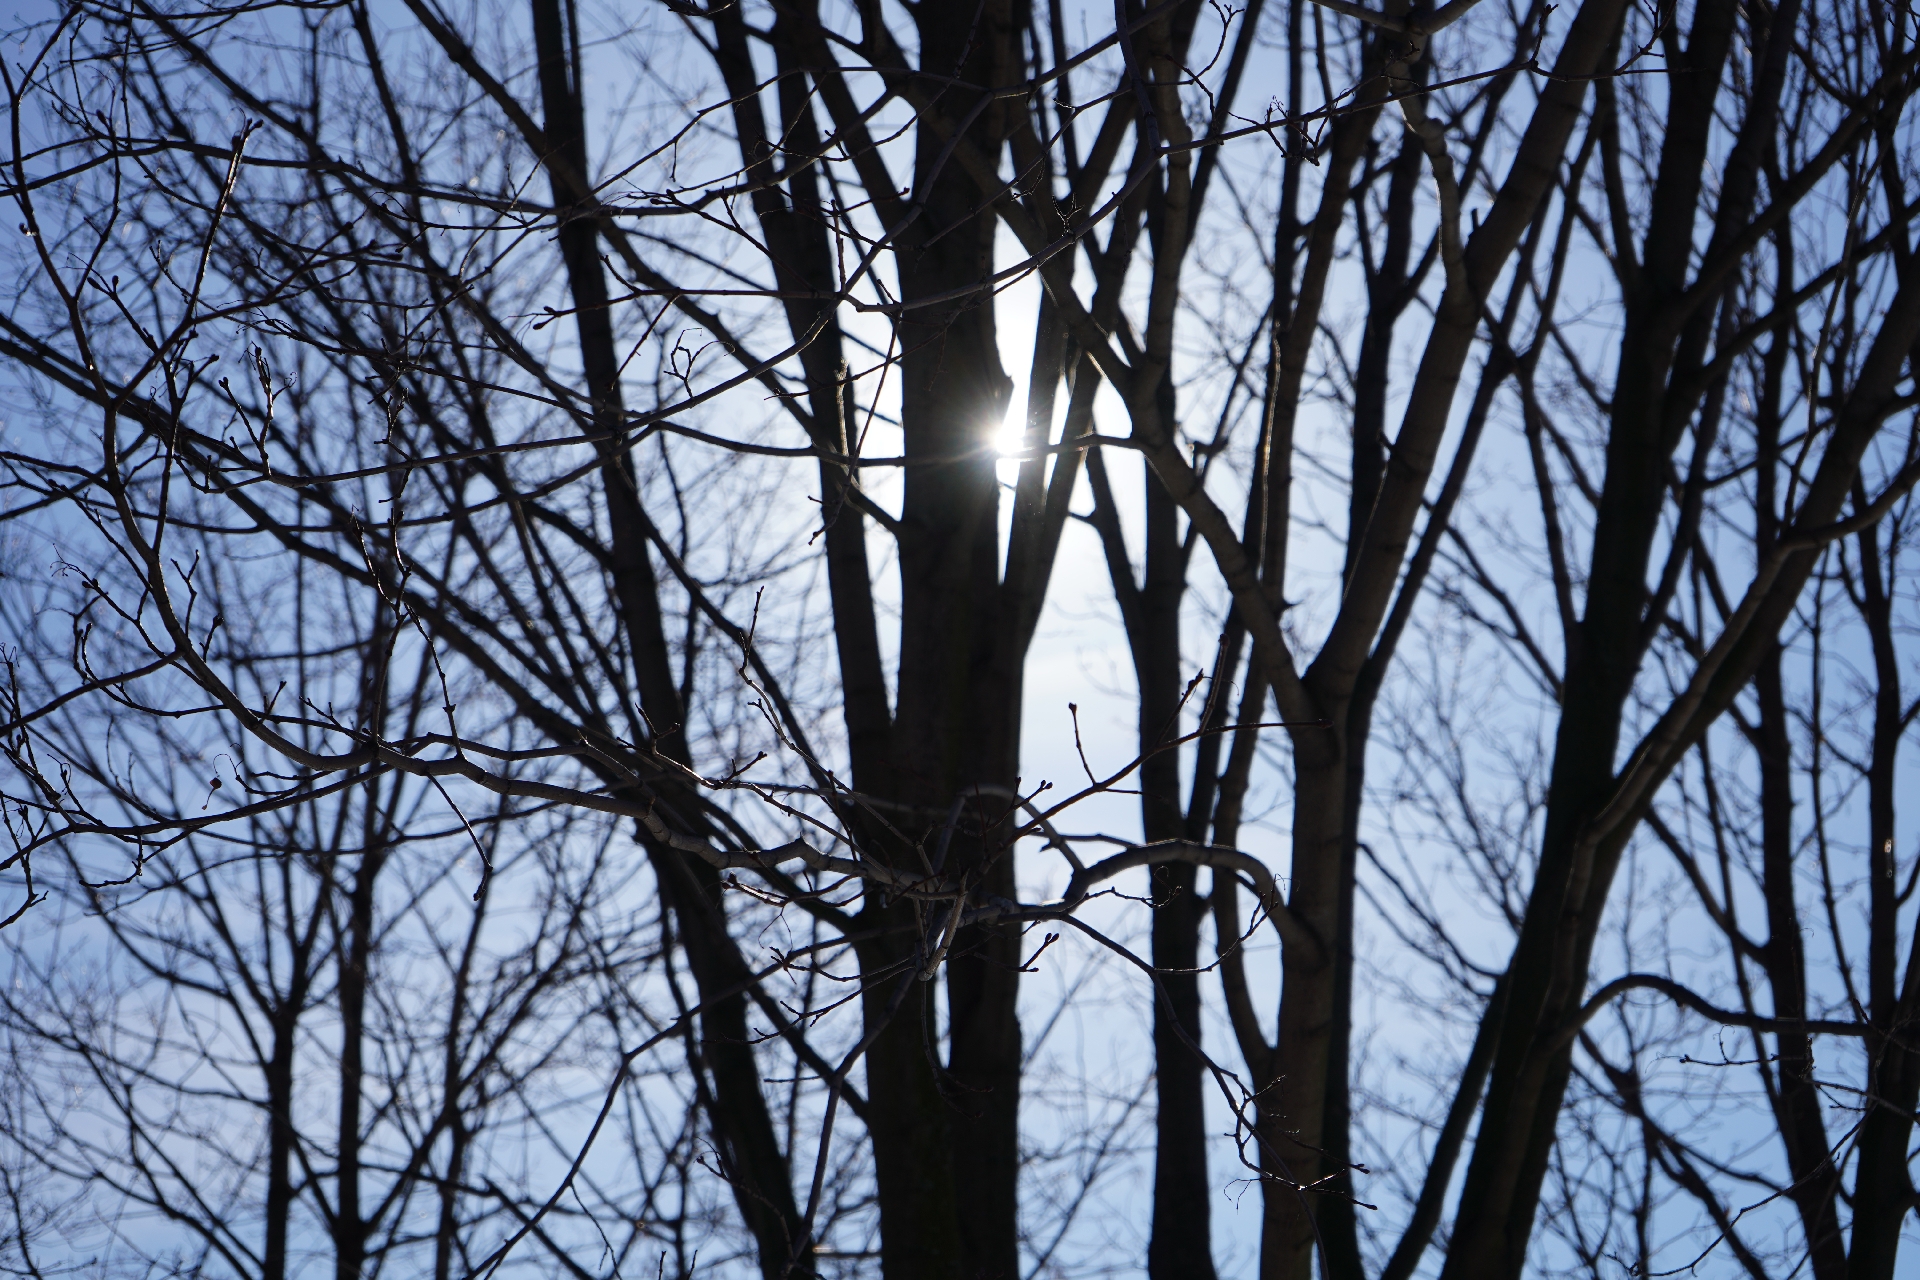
[
  {"x": 1798, "y": 1105},
  {"x": 1883, "y": 1186},
  {"x": 761, "y": 1181},
  {"x": 349, "y": 1230},
  {"x": 1293, "y": 1109},
  {"x": 280, "y": 1139},
  {"x": 955, "y": 723},
  {"x": 1180, "y": 1243}
]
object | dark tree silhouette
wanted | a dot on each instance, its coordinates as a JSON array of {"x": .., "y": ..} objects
[{"x": 557, "y": 444}]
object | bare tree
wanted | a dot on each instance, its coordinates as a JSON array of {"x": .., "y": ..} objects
[
  {"x": 537, "y": 310},
  {"x": 1743, "y": 418}
]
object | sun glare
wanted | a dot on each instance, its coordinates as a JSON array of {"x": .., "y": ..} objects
[
  {"x": 1007, "y": 440},
  {"x": 1006, "y": 443}
]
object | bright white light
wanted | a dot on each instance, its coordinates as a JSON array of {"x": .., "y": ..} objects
[
  {"x": 1007, "y": 442},
  {"x": 1010, "y": 438}
]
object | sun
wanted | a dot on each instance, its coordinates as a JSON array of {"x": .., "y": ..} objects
[
  {"x": 1008, "y": 442},
  {"x": 1009, "y": 438}
]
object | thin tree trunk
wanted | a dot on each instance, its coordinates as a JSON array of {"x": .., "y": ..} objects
[
  {"x": 1883, "y": 1186},
  {"x": 1180, "y": 1239},
  {"x": 1798, "y": 1107},
  {"x": 762, "y": 1185},
  {"x": 1816, "y": 1181},
  {"x": 349, "y": 1231},
  {"x": 280, "y": 1139}
]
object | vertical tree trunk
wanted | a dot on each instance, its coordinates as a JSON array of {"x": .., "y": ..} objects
[
  {"x": 1798, "y": 1105},
  {"x": 1798, "y": 1108},
  {"x": 280, "y": 1139},
  {"x": 761, "y": 1181},
  {"x": 1389, "y": 290},
  {"x": 349, "y": 1231},
  {"x": 951, "y": 1207},
  {"x": 1294, "y": 1108},
  {"x": 1180, "y": 1244},
  {"x": 1285, "y": 1116},
  {"x": 800, "y": 250},
  {"x": 1883, "y": 1186}
]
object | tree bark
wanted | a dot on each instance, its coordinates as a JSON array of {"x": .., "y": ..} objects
[{"x": 956, "y": 721}]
